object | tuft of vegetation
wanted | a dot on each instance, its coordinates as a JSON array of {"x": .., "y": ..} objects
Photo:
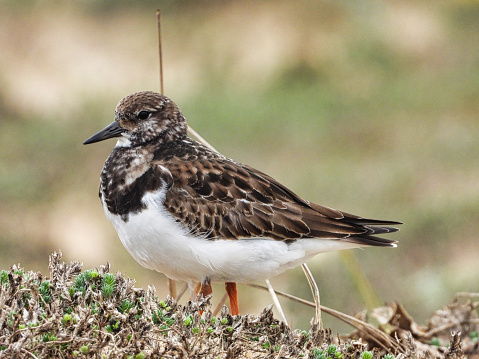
[
  {"x": 95, "y": 314},
  {"x": 44, "y": 290},
  {"x": 108, "y": 285},
  {"x": 3, "y": 278}
]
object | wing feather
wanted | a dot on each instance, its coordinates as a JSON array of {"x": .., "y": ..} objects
[{"x": 219, "y": 198}]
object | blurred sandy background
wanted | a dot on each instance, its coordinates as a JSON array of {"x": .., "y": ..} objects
[{"x": 369, "y": 107}]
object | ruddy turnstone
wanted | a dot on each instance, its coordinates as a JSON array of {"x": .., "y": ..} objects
[{"x": 198, "y": 216}]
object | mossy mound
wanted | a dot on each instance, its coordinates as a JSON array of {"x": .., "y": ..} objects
[{"x": 94, "y": 314}]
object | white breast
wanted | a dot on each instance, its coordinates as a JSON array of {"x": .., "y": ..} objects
[{"x": 158, "y": 242}]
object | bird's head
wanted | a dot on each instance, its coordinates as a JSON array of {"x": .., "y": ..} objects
[{"x": 142, "y": 118}]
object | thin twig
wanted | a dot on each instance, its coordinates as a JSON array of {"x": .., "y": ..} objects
[
  {"x": 182, "y": 291},
  {"x": 276, "y": 301},
  {"x": 315, "y": 292},
  {"x": 160, "y": 54},
  {"x": 171, "y": 282},
  {"x": 220, "y": 304},
  {"x": 31, "y": 354},
  {"x": 201, "y": 139}
]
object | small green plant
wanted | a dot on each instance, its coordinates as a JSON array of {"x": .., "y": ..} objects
[
  {"x": 160, "y": 318},
  {"x": 4, "y": 278},
  {"x": 113, "y": 327},
  {"x": 94, "y": 308},
  {"x": 125, "y": 306},
  {"x": 474, "y": 336},
  {"x": 319, "y": 354},
  {"x": 82, "y": 281},
  {"x": 435, "y": 342},
  {"x": 84, "y": 349},
  {"x": 66, "y": 318},
  {"x": 18, "y": 272},
  {"x": 108, "y": 285},
  {"x": 366, "y": 355},
  {"x": 224, "y": 321},
  {"x": 71, "y": 291},
  {"x": 49, "y": 337},
  {"x": 140, "y": 355},
  {"x": 11, "y": 316},
  {"x": 188, "y": 321},
  {"x": 388, "y": 356},
  {"x": 331, "y": 349},
  {"x": 44, "y": 290}
]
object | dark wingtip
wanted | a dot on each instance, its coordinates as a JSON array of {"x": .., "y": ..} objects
[
  {"x": 373, "y": 241},
  {"x": 373, "y": 227},
  {"x": 372, "y": 222}
]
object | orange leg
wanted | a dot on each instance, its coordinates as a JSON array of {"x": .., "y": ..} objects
[
  {"x": 233, "y": 295},
  {"x": 205, "y": 288}
]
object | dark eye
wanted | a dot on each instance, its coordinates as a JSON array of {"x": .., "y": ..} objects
[{"x": 143, "y": 115}]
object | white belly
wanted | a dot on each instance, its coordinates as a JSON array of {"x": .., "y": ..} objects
[{"x": 158, "y": 242}]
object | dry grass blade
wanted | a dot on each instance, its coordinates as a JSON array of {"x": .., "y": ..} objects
[
  {"x": 276, "y": 301},
  {"x": 182, "y": 291},
  {"x": 160, "y": 54},
  {"x": 220, "y": 304},
  {"x": 201, "y": 139},
  {"x": 315, "y": 291},
  {"x": 359, "y": 278},
  {"x": 381, "y": 338}
]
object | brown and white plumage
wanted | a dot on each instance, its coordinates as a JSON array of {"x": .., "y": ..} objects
[{"x": 195, "y": 215}]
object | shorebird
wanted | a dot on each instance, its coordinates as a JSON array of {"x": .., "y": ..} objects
[{"x": 197, "y": 216}]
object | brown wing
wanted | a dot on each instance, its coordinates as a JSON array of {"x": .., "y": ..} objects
[{"x": 220, "y": 198}]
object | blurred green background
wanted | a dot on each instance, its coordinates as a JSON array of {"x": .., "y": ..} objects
[{"x": 369, "y": 107}]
